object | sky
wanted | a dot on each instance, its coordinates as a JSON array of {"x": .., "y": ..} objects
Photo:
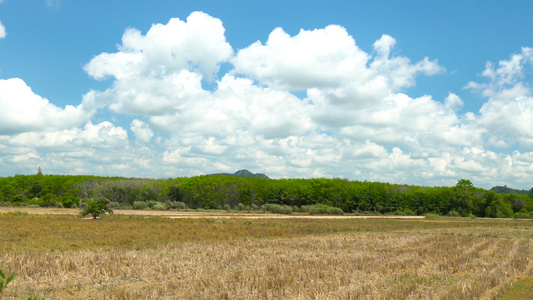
[{"x": 407, "y": 92}]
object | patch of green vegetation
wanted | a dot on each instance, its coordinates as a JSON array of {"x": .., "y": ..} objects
[{"x": 523, "y": 289}]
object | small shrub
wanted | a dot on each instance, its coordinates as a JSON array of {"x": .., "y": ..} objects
[
  {"x": 114, "y": 205},
  {"x": 56, "y": 204},
  {"x": 160, "y": 206},
  {"x": 140, "y": 205},
  {"x": 226, "y": 207},
  {"x": 254, "y": 207},
  {"x": 18, "y": 198},
  {"x": 241, "y": 207},
  {"x": 177, "y": 205},
  {"x": 317, "y": 209},
  {"x": 151, "y": 203},
  {"x": 125, "y": 206},
  {"x": 334, "y": 211},
  {"x": 322, "y": 209},
  {"x": 277, "y": 209},
  {"x": 453, "y": 213}
]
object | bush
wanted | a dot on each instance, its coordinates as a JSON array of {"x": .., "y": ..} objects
[
  {"x": 226, "y": 207},
  {"x": 151, "y": 203},
  {"x": 69, "y": 201},
  {"x": 160, "y": 206},
  {"x": 140, "y": 205},
  {"x": 241, "y": 207},
  {"x": 56, "y": 204},
  {"x": 522, "y": 215},
  {"x": 125, "y": 206},
  {"x": 277, "y": 209},
  {"x": 114, "y": 205},
  {"x": 334, "y": 211},
  {"x": 254, "y": 207},
  {"x": 322, "y": 209},
  {"x": 18, "y": 198},
  {"x": 177, "y": 205},
  {"x": 453, "y": 213},
  {"x": 317, "y": 209}
]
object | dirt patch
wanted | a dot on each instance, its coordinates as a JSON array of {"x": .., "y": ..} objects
[{"x": 191, "y": 214}]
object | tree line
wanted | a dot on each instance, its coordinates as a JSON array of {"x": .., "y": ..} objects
[{"x": 223, "y": 192}]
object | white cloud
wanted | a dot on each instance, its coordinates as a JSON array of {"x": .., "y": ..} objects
[
  {"x": 356, "y": 120},
  {"x": 198, "y": 44},
  {"x": 93, "y": 149},
  {"x": 453, "y": 102},
  {"x": 99, "y": 136},
  {"x": 318, "y": 58},
  {"x": 352, "y": 114},
  {"x": 507, "y": 114},
  {"x": 237, "y": 104},
  {"x": 23, "y": 111},
  {"x": 141, "y": 130},
  {"x": 2, "y": 30},
  {"x": 327, "y": 58}
]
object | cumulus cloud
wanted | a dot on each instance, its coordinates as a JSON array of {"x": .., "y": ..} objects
[
  {"x": 23, "y": 111},
  {"x": 198, "y": 44},
  {"x": 507, "y": 115},
  {"x": 2, "y": 30},
  {"x": 141, "y": 130},
  {"x": 92, "y": 149},
  {"x": 355, "y": 120},
  {"x": 322, "y": 57},
  {"x": 327, "y": 58}
]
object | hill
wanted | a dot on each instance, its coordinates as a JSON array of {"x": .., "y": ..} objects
[
  {"x": 507, "y": 190},
  {"x": 245, "y": 173}
]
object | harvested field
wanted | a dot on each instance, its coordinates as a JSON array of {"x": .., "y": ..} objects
[
  {"x": 195, "y": 214},
  {"x": 139, "y": 257}
]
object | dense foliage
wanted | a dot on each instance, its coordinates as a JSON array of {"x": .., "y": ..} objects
[{"x": 224, "y": 192}]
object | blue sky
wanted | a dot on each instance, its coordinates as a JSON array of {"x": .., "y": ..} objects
[{"x": 415, "y": 92}]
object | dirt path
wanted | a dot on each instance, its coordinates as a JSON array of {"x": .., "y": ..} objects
[{"x": 192, "y": 214}]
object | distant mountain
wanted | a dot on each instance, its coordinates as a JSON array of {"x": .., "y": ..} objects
[
  {"x": 244, "y": 173},
  {"x": 508, "y": 190}
]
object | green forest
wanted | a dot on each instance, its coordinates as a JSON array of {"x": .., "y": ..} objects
[{"x": 259, "y": 193}]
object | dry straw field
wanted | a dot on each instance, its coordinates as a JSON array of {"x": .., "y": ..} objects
[{"x": 139, "y": 257}]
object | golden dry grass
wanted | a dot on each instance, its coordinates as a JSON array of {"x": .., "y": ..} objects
[{"x": 122, "y": 257}]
